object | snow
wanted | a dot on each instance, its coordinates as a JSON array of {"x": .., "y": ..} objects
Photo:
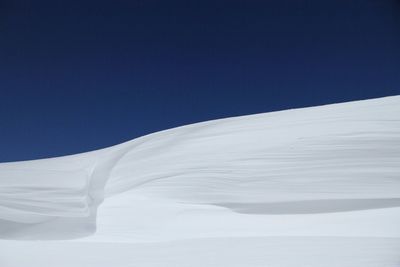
[{"x": 308, "y": 187}]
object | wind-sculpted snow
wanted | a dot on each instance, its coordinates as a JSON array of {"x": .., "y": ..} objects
[{"x": 323, "y": 172}]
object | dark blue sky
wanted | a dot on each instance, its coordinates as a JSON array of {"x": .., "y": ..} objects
[{"x": 82, "y": 75}]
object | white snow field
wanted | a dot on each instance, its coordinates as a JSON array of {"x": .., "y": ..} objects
[{"x": 310, "y": 187}]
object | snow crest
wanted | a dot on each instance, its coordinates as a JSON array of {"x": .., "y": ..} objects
[{"x": 331, "y": 161}]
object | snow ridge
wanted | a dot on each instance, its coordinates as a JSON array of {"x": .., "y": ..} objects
[{"x": 321, "y": 161}]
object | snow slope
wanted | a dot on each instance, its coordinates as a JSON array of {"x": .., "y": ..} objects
[{"x": 307, "y": 187}]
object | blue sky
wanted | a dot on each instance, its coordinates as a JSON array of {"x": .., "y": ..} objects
[{"x": 82, "y": 75}]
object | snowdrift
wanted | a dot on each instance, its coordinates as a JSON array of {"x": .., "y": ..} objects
[{"x": 306, "y": 185}]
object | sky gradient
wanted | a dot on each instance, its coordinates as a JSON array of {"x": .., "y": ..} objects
[{"x": 82, "y": 75}]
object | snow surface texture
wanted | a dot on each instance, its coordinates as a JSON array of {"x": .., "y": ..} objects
[{"x": 307, "y": 187}]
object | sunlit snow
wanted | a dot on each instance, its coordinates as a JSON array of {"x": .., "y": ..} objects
[{"x": 310, "y": 187}]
